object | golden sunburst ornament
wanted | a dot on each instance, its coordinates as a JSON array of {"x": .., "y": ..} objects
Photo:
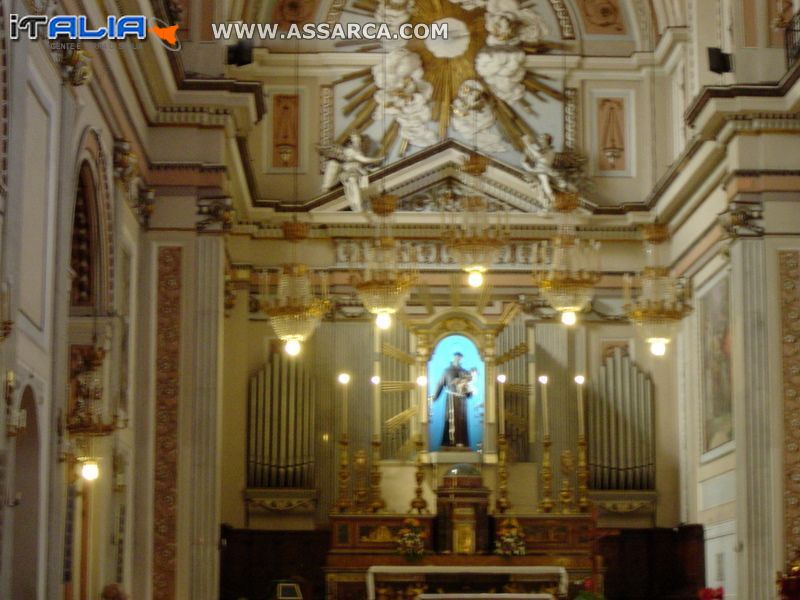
[{"x": 473, "y": 83}]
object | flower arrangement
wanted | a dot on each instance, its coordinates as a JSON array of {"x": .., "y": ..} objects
[
  {"x": 587, "y": 590},
  {"x": 509, "y": 540},
  {"x": 711, "y": 594},
  {"x": 411, "y": 539}
]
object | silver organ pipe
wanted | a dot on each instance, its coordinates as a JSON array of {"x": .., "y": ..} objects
[
  {"x": 621, "y": 428},
  {"x": 280, "y": 425}
]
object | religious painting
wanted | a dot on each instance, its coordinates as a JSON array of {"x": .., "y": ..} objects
[
  {"x": 715, "y": 344},
  {"x": 456, "y": 395}
]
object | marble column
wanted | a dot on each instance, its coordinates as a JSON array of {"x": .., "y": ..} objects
[
  {"x": 755, "y": 470},
  {"x": 204, "y": 576}
]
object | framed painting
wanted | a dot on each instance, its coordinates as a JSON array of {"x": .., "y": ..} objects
[{"x": 715, "y": 360}]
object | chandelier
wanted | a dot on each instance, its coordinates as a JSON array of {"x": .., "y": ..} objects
[
  {"x": 87, "y": 415},
  {"x": 295, "y": 311},
  {"x": 567, "y": 268},
  {"x": 662, "y": 300},
  {"x": 474, "y": 235},
  {"x": 384, "y": 285}
]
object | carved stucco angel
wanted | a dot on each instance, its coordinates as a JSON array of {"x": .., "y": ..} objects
[
  {"x": 473, "y": 117},
  {"x": 553, "y": 170},
  {"x": 350, "y": 165},
  {"x": 508, "y": 25},
  {"x": 405, "y": 95}
]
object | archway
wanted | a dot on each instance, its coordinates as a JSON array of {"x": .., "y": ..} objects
[{"x": 24, "y": 571}]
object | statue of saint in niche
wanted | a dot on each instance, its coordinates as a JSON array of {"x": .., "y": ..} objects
[{"x": 456, "y": 383}]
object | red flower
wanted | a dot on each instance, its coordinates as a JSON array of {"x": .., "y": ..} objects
[
  {"x": 588, "y": 584},
  {"x": 711, "y": 594}
]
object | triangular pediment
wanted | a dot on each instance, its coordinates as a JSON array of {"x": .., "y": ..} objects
[{"x": 420, "y": 179}]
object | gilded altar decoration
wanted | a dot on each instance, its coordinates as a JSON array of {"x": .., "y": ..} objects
[
  {"x": 411, "y": 539},
  {"x": 509, "y": 540}
]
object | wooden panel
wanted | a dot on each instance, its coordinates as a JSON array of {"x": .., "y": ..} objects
[{"x": 285, "y": 130}]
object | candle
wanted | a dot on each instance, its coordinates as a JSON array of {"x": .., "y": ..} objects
[
  {"x": 545, "y": 411},
  {"x": 580, "y": 379},
  {"x": 501, "y": 379}
]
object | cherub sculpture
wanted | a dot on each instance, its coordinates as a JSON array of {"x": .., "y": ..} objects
[
  {"x": 539, "y": 159},
  {"x": 349, "y": 165},
  {"x": 564, "y": 171},
  {"x": 473, "y": 117}
]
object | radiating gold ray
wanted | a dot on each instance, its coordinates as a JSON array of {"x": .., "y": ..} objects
[
  {"x": 534, "y": 84},
  {"x": 354, "y": 75},
  {"x": 364, "y": 96},
  {"x": 390, "y": 387},
  {"x": 352, "y": 94},
  {"x": 389, "y": 138},
  {"x": 370, "y": 48},
  {"x": 403, "y": 147},
  {"x": 400, "y": 419},
  {"x": 396, "y": 353},
  {"x": 362, "y": 120},
  {"x": 365, "y": 5}
]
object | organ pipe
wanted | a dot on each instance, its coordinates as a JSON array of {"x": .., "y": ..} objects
[{"x": 280, "y": 433}]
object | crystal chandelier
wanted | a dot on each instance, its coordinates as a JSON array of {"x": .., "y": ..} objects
[
  {"x": 294, "y": 311},
  {"x": 384, "y": 285},
  {"x": 474, "y": 235},
  {"x": 567, "y": 268},
  {"x": 662, "y": 300}
]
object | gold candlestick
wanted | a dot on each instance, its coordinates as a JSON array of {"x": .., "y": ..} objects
[
  {"x": 376, "y": 503},
  {"x": 546, "y": 503},
  {"x": 360, "y": 492},
  {"x": 502, "y": 504},
  {"x": 583, "y": 475},
  {"x": 344, "y": 503},
  {"x": 418, "y": 503}
]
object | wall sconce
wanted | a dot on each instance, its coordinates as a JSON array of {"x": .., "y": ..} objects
[{"x": 90, "y": 468}]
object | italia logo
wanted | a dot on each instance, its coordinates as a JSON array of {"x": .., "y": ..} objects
[{"x": 76, "y": 27}]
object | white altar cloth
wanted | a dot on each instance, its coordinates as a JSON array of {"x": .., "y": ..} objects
[{"x": 561, "y": 572}]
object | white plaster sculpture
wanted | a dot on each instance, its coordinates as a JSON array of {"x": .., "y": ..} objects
[
  {"x": 508, "y": 25},
  {"x": 539, "y": 160},
  {"x": 394, "y": 12},
  {"x": 349, "y": 165},
  {"x": 503, "y": 71},
  {"x": 473, "y": 118},
  {"x": 405, "y": 95}
]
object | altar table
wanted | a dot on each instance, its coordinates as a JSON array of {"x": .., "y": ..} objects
[{"x": 560, "y": 572}]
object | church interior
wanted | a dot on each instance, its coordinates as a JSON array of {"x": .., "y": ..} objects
[{"x": 511, "y": 312}]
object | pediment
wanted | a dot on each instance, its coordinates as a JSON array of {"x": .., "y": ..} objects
[{"x": 421, "y": 179}]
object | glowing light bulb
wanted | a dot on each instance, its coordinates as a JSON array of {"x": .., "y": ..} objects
[
  {"x": 543, "y": 379},
  {"x": 580, "y": 379},
  {"x": 292, "y": 347},
  {"x": 658, "y": 346},
  {"x": 90, "y": 470},
  {"x": 475, "y": 279},
  {"x": 375, "y": 379},
  {"x": 569, "y": 318},
  {"x": 383, "y": 320},
  {"x": 422, "y": 381},
  {"x": 501, "y": 378},
  {"x": 343, "y": 378}
]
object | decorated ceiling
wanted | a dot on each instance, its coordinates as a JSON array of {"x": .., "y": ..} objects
[{"x": 353, "y": 118}]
